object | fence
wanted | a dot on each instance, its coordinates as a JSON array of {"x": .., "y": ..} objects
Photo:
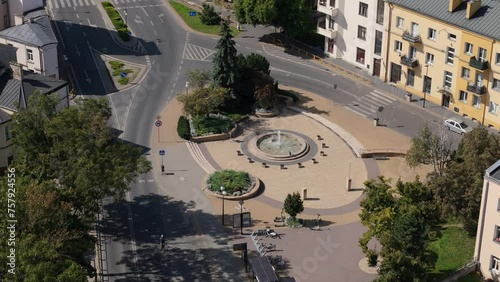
[{"x": 464, "y": 270}]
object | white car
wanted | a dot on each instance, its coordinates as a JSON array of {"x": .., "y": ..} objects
[{"x": 457, "y": 125}]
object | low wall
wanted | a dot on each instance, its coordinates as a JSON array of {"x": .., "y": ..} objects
[
  {"x": 288, "y": 100},
  {"x": 215, "y": 137},
  {"x": 253, "y": 191},
  {"x": 267, "y": 115}
]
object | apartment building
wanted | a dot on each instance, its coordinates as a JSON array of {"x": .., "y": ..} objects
[
  {"x": 4, "y": 14},
  {"x": 446, "y": 52},
  {"x": 487, "y": 250},
  {"x": 354, "y": 32}
]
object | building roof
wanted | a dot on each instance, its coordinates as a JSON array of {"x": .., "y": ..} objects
[
  {"x": 4, "y": 116},
  {"x": 486, "y": 21},
  {"x": 36, "y": 30},
  {"x": 14, "y": 94},
  {"x": 494, "y": 171}
]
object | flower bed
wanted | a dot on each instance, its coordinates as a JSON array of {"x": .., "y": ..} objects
[
  {"x": 210, "y": 125},
  {"x": 231, "y": 180}
]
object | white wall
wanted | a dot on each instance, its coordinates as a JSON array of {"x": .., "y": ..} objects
[
  {"x": 44, "y": 61},
  {"x": 23, "y": 6}
]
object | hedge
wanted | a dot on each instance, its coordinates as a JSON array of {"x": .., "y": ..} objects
[
  {"x": 183, "y": 128},
  {"x": 117, "y": 20}
]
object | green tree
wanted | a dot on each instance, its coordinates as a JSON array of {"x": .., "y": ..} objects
[
  {"x": 400, "y": 220},
  {"x": 458, "y": 189},
  {"x": 225, "y": 64},
  {"x": 293, "y": 204},
  {"x": 295, "y": 17},
  {"x": 257, "y": 63},
  {"x": 198, "y": 78},
  {"x": 203, "y": 101},
  {"x": 430, "y": 148},
  {"x": 209, "y": 16}
]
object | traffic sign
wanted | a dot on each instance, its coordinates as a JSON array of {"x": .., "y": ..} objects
[
  {"x": 123, "y": 74},
  {"x": 158, "y": 123},
  {"x": 162, "y": 152},
  {"x": 192, "y": 13}
]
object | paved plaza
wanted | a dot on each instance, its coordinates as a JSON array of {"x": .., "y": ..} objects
[{"x": 331, "y": 254}]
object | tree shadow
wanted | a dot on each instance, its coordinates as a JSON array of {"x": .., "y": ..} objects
[{"x": 303, "y": 100}]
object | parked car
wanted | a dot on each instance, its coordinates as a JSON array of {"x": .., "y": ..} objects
[{"x": 456, "y": 125}]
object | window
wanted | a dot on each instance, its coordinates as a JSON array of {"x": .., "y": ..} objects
[
  {"x": 497, "y": 234},
  {"x": 331, "y": 45},
  {"x": 410, "y": 80},
  {"x": 331, "y": 23},
  {"x": 495, "y": 264},
  {"x": 427, "y": 85},
  {"x": 380, "y": 11},
  {"x": 493, "y": 109},
  {"x": 497, "y": 58},
  {"x": 447, "y": 79},
  {"x": 463, "y": 96},
  {"x": 452, "y": 37},
  {"x": 395, "y": 73},
  {"x": 29, "y": 54},
  {"x": 378, "y": 42},
  {"x": 479, "y": 79},
  {"x": 468, "y": 48},
  {"x": 332, "y": 3},
  {"x": 361, "y": 32},
  {"x": 496, "y": 84},
  {"x": 481, "y": 54},
  {"x": 400, "y": 22},
  {"x": 414, "y": 29},
  {"x": 476, "y": 102},
  {"x": 363, "y": 9},
  {"x": 432, "y": 34},
  {"x": 429, "y": 58},
  {"x": 5, "y": 21},
  {"x": 398, "y": 46},
  {"x": 465, "y": 73},
  {"x": 450, "y": 54},
  {"x": 7, "y": 133},
  {"x": 412, "y": 52},
  {"x": 360, "y": 56}
]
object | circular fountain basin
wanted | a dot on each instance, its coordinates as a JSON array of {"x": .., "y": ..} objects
[{"x": 278, "y": 146}]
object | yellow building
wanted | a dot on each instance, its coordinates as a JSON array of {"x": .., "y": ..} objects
[
  {"x": 6, "y": 146},
  {"x": 445, "y": 51}
]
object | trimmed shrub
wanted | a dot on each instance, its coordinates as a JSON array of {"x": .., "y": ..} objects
[
  {"x": 123, "y": 80},
  {"x": 212, "y": 124},
  {"x": 372, "y": 257},
  {"x": 183, "y": 128},
  {"x": 116, "y": 64},
  {"x": 209, "y": 16},
  {"x": 231, "y": 180},
  {"x": 117, "y": 20}
]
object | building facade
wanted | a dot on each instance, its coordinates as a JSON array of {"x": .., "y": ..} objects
[
  {"x": 353, "y": 32},
  {"x": 445, "y": 51},
  {"x": 487, "y": 250},
  {"x": 4, "y": 14}
]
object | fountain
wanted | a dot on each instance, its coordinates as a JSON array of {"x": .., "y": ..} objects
[{"x": 276, "y": 145}]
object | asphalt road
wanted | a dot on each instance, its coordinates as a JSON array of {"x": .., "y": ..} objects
[{"x": 133, "y": 227}]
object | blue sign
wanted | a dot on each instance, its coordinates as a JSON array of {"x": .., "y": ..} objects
[
  {"x": 192, "y": 13},
  {"x": 129, "y": 33},
  {"x": 162, "y": 152},
  {"x": 123, "y": 74}
]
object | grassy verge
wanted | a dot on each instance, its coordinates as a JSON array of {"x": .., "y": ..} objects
[
  {"x": 195, "y": 22},
  {"x": 454, "y": 249},
  {"x": 117, "y": 20}
]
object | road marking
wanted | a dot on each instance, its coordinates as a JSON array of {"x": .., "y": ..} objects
[
  {"x": 141, "y": 181},
  {"x": 247, "y": 48},
  {"x": 49, "y": 3},
  {"x": 77, "y": 16},
  {"x": 150, "y": 180},
  {"x": 152, "y": 23},
  {"x": 84, "y": 34},
  {"x": 160, "y": 16},
  {"x": 62, "y": 4},
  {"x": 144, "y": 11},
  {"x": 155, "y": 32},
  {"x": 93, "y": 2},
  {"x": 356, "y": 112},
  {"x": 81, "y": 2},
  {"x": 74, "y": 3}
]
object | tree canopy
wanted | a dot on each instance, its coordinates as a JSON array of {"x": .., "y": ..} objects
[
  {"x": 203, "y": 101},
  {"x": 67, "y": 162},
  {"x": 400, "y": 220},
  {"x": 225, "y": 65},
  {"x": 293, "y": 204}
]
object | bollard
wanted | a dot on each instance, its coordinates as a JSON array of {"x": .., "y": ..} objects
[
  {"x": 348, "y": 184},
  {"x": 375, "y": 121},
  {"x": 304, "y": 194}
]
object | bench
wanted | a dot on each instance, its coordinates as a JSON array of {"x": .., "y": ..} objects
[
  {"x": 323, "y": 145},
  {"x": 319, "y": 137},
  {"x": 282, "y": 166},
  {"x": 239, "y": 153},
  {"x": 300, "y": 165},
  {"x": 321, "y": 153},
  {"x": 264, "y": 165},
  {"x": 250, "y": 160},
  {"x": 314, "y": 161}
]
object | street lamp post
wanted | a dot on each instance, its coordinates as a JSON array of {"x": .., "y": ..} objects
[
  {"x": 223, "y": 194},
  {"x": 126, "y": 21},
  {"x": 241, "y": 217},
  {"x": 425, "y": 84}
]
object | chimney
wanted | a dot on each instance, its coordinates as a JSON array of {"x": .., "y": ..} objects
[
  {"x": 453, "y": 5},
  {"x": 472, "y": 7},
  {"x": 17, "y": 70},
  {"x": 18, "y": 19}
]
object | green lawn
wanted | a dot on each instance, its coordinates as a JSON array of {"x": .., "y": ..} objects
[
  {"x": 195, "y": 22},
  {"x": 454, "y": 249}
]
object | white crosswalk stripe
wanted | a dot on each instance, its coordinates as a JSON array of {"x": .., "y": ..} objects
[
  {"x": 56, "y": 4},
  {"x": 368, "y": 105},
  {"x": 197, "y": 53}
]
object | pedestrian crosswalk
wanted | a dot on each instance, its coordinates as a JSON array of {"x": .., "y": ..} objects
[
  {"x": 57, "y": 4},
  {"x": 369, "y": 104},
  {"x": 196, "y": 53}
]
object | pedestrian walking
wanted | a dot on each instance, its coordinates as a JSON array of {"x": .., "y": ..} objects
[{"x": 162, "y": 243}]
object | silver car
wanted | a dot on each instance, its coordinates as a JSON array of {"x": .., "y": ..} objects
[{"x": 456, "y": 125}]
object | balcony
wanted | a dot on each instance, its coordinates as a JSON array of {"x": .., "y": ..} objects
[
  {"x": 409, "y": 62},
  {"x": 330, "y": 33},
  {"x": 475, "y": 63},
  {"x": 327, "y": 9},
  {"x": 411, "y": 37},
  {"x": 476, "y": 88}
]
